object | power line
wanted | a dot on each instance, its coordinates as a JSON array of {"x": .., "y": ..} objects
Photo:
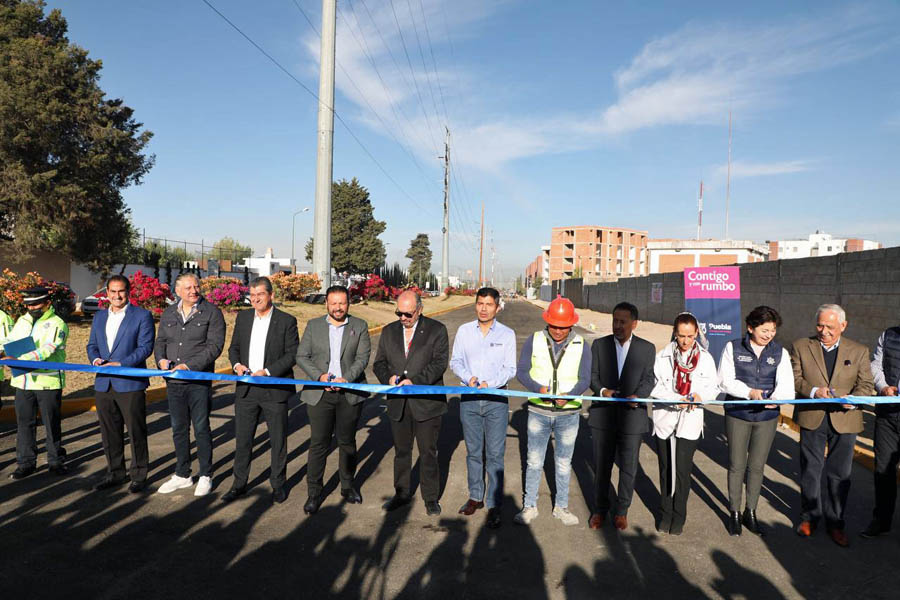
[
  {"x": 314, "y": 95},
  {"x": 433, "y": 61},
  {"x": 412, "y": 18}
]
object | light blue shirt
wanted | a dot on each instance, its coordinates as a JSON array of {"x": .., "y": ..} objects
[
  {"x": 491, "y": 358},
  {"x": 335, "y": 335}
]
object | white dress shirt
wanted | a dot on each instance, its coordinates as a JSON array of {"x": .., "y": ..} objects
[
  {"x": 621, "y": 355},
  {"x": 258, "y": 335},
  {"x": 113, "y": 322}
]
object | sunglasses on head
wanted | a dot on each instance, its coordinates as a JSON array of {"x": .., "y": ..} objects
[{"x": 406, "y": 315}]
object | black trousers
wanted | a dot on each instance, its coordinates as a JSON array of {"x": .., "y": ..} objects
[
  {"x": 887, "y": 455},
  {"x": 425, "y": 433},
  {"x": 115, "y": 412},
  {"x": 607, "y": 443},
  {"x": 27, "y": 404},
  {"x": 837, "y": 469},
  {"x": 674, "y": 499},
  {"x": 247, "y": 412},
  {"x": 332, "y": 417}
]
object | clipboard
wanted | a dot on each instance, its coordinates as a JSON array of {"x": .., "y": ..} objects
[{"x": 17, "y": 348}]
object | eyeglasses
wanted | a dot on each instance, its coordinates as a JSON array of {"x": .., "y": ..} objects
[{"x": 405, "y": 314}]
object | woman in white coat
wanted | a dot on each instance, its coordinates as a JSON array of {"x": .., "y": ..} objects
[{"x": 684, "y": 371}]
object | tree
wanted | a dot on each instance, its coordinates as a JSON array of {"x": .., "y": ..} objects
[
  {"x": 419, "y": 254},
  {"x": 230, "y": 249},
  {"x": 537, "y": 283},
  {"x": 577, "y": 274},
  {"x": 154, "y": 252},
  {"x": 66, "y": 151},
  {"x": 520, "y": 287},
  {"x": 355, "y": 247}
]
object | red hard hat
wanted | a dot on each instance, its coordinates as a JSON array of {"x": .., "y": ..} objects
[{"x": 561, "y": 313}]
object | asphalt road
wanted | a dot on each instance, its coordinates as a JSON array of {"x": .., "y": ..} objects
[{"x": 60, "y": 539}]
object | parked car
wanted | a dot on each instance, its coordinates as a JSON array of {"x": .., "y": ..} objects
[
  {"x": 65, "y": 308},
  {"x": 91, "y": 304}
]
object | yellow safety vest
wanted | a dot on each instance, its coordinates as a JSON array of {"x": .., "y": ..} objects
[
  {"x": 50, "y": 334},
  {"x": 6, "y": 325},
  {"x": 561, "y": 376}
]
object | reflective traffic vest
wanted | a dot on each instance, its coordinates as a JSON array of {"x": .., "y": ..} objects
[
  {"x": 50, "y": 334},
  {"x": 6, "y": 325},
  {"x": 557, "y": 375}
]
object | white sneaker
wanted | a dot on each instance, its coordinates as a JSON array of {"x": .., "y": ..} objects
[
  {"x": 175, "y": 483},
  {"x": 204, "y": 486},
  {"x": 526, "y": 516},
  {"x": 565, "y": 516}
]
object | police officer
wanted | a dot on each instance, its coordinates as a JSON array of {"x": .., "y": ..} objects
[
  {"x": 6, "y": 325},
  {"x": 39, "y": 388}
]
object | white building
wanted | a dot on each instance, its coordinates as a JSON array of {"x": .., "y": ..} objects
[
  {"x": 266, "y": 265},
  {"x": 818, "y": 244},
  {"x": 672, "y": 256}
]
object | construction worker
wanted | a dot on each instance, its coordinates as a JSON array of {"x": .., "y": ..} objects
[
  {"x": 554, "y": 361},
  {"x": 39, "y": 388}
]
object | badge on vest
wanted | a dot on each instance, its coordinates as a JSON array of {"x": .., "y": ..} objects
[
  {"x": 744, "y": 358},
  {"x": 770, "y": 361}
]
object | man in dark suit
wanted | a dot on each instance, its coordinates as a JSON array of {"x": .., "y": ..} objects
[
  {"x": 335, "y": 348},
  {"x": 122, "y": 336},
  {"x": 828, "y": 365},
  {"x": 414, "y": 350},
  {"x": 622, "y": 367},
  {"x": 263, "y": 345}
]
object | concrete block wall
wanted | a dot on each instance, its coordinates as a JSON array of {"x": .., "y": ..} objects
[{"x": 866, "y": 284}]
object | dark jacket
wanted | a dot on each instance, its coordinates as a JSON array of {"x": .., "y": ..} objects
[
  {"x": 757, "y": 373},
  {"x": 637, "y": 380},
  {"x": 429, "y": 356},
  {"x": 278, "y": 357},
  {"x": 196, "y": 343},
  {"x": 314, "y": 356},
  {"x": 132, "y": 346}
]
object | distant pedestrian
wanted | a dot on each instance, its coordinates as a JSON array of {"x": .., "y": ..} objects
[
  {"x": 122, "y": 336},
  {"x": 191, "y": 337},
  {"x": 554, "y": 361},
  {"x": 686, "y": 372},
  {"x": 484, "y": 355},
  {"x": 828, "y": 365},
  {"x": 756, "y": 368}
]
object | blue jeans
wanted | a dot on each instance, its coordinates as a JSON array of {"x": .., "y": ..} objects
[
  {"x": 484, "y": 424},
  {"x": 564, "y": 428},
  {"x": 190, "y": 403}
]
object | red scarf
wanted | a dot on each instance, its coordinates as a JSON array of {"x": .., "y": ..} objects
[{"x": 684, "y": 371}]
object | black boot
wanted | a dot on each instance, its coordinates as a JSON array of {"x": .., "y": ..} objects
[
  {"x": 734, "y": 523},
  {"x": 752, "y": 524}
]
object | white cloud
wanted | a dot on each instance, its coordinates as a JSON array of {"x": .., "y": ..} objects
[{"x": 747, "y": 169}]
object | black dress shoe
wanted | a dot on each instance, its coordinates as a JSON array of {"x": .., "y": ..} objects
[
  {"x": 396, "y": 502},
  {"x": 22, "y": 472},
  {"x": 137, "y": 487},
  {"x": 312, "y": 504},
  {"x": 233, "y": 494},
  {"x": 665, "y": 524},
  {"x": 59, "y": 469},
  {"x": 676, "y": 528},
  {"x": 278, "y": 495},
  {"x": 351, "y": 496},
  {"x": 752, "y": 525},
  {"x": 874, "y": 529},
  {"x": 110, "y": 482},
  {"x": 493, "y": 518},
  {"x": 734, "y": 523},
  {"x": 432, "y": 508}
]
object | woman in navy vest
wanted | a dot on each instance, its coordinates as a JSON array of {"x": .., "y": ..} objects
[{"x": 756, "y": 368}]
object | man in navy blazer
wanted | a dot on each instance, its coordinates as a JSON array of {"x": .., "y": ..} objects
[{"x": 122, "y": 335}]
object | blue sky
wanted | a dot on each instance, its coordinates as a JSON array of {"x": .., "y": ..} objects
[{"x": 561, "y": 113}]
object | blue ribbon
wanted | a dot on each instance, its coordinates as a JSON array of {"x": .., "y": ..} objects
[{"x": 396, "y": 390}]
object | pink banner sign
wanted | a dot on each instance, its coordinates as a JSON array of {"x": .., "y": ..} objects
[{"x": 712, "y": 282}]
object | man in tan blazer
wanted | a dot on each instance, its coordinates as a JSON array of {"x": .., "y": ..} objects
[{"x": 828, "y": 365}]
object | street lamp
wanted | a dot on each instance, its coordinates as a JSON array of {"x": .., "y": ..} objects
[{"x": 293, "y": 228}]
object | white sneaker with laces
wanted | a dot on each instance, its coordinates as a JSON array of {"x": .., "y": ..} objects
[
  {"x": 526, "y": 516},
  {"x": 175, "y": 483},
  {"x": 565, "y": 516},
  {"x": 204, "y": 486}
]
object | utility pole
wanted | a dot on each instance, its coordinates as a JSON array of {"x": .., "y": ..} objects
[
  {"x": 700, "y": 211},
  {"x": 728, "y": 182},
  {"x": 324, "y": 156},
  {"x": 445, "y": 253},
  {"x": 481, "y": 248},
  {"x": 493, "y": 255}
]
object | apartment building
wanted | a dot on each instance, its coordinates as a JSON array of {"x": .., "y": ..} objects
[{"x": 597, "y": 253}]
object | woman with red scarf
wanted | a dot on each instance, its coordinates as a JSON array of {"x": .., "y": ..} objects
[{"x": 684, "y": 371}]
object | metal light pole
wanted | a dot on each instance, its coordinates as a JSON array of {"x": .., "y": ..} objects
[
  {"x": 322, "y": 237},
  {"x": 293, "y": 228}
]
